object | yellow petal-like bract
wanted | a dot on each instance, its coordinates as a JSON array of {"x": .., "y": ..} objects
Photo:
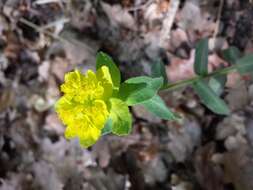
[{"x": 83, "y": 107}]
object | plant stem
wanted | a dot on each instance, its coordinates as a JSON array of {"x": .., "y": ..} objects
[
  {"x": 54, "y": 36},
  {"x": 182, "y": 83}
]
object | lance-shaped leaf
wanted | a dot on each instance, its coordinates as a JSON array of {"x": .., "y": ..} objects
[
  {"x": 158, "y": 70},
  {"x": 245, "y": 64},
  {"x": 157, "y": 106},
  {"x": 210, "y": 98},
  {"x": 217, "y": 83},
  {"x": 104, "y": 59},
  {"x": 139, "y": 89},
  {"x": 231, "y": 54},
  {"x": 201, "y": 57},
  {"x": 120, "y": 116}
]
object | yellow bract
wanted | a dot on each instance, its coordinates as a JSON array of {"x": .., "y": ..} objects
[{"x": 83, "y": 107}]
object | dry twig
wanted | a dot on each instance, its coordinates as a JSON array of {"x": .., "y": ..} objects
[
  {"x": 168, "y": 21},
  {"x": 217, "y": 27},
  {"x": 42, "y": 30}
]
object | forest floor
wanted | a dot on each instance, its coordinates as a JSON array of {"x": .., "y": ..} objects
[{"x": 41, "y": 40}]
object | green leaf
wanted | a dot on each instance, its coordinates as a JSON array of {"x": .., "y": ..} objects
[
  {"x": 121, "y": 117},
  {"x": 210, "y": 99},
  {"x": 201, "y": 57},
  {"x": 129, "y": 91},
  {"x": 139, "y": 89},
  {"x": 158, "y": 70},
  {"x": 231, "y": 54},
  {"x": 245, "y": 64},
  {"x": 217, "y": 83},
  {"x": 104, "y": 59},
  {"x": 107, "y": 128},
  {"x": 157, "y": 106}
]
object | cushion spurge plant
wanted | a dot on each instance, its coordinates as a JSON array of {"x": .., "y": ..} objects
[{"x": 95, "y": 104}]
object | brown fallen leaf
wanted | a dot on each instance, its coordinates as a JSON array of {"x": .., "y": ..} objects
[
  {"x": 7, "y": 98},
  {"x": 209, "y": 175},
  {"x": 238, "y": 167},
  {"x": 180, "y": 69}
]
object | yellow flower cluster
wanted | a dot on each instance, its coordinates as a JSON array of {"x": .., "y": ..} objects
[{"x": 83, "y": 108}]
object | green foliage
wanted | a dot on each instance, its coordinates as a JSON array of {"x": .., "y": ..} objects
[
  {"x": 217, "y": 83},
  {"x": 157, "y": 106},
  {"x": 139, "y": 89},
  {"x": 245, "y": 64},
  {"x": 158, "y": 70},
  {"x": 104, "y": 59},
  {"x": 201, "y": 57},
  {"x": 210, "y": 98},
  {"x": 143, "y": 90},
  {"x": 108, "y": 127},
  {"x": 209, "y": 93},
  {"x": 120, "y": 116},
  {"x": 231, "y": 54}
]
